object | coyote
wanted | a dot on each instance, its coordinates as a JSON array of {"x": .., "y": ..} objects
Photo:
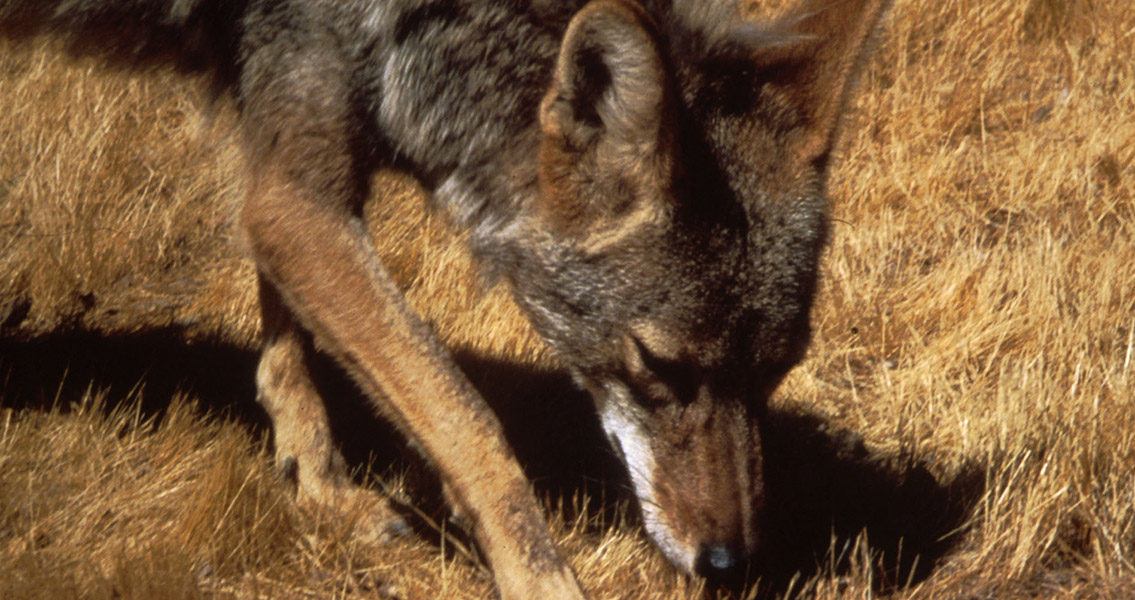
[{"x": 648, "y": 177}]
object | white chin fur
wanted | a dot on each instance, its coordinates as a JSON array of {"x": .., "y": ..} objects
[{"x": 622, "y": 421}]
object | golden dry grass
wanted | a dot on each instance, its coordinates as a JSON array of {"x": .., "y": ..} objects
[{"x": 972, "y": 372}]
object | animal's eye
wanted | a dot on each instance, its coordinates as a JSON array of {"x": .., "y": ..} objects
[{"x": 679, "y": 376}]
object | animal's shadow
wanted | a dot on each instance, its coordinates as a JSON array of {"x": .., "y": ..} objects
[{"x": 825, "y": 489}]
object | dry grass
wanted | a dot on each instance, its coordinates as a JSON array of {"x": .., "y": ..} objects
[{"x": 972, "y": 373}]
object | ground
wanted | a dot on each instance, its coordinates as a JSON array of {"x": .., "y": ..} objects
[{"x": 963, "y": 426}]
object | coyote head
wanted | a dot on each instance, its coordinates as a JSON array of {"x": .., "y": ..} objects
[{"x": 671, "y": 256}]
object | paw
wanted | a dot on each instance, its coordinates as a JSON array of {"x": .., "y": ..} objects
[{"x": 363, "y": 514}]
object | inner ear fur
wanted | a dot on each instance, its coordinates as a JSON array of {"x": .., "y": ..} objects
[
  {"x": 606, "y": 137},
  {"x": 610, "y": 83},
  {"x": 813, "y": 58}
]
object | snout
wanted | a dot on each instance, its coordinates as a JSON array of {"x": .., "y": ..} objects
[
  {"x": 708, "y": 493},
  {"x": 706, "y": 518},
  {"x": 697, "y": 471}
]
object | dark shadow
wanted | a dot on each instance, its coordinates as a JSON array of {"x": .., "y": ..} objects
[
  {"x": 551, "y": 424},
  {"x": 548, "y": 421},
  {"x": 824, "y": 487},
  {"x": 57, "y": 371}
]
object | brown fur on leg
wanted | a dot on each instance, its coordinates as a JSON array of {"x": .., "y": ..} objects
[
  {"x": 330, "y": 277},
  {"x": 302, "y": 432},
  {"x": 312, "y": 250}
]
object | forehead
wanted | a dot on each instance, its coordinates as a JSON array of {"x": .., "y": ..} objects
[{"x": 742, "y": 285}]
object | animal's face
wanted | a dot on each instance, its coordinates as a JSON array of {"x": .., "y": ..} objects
[
  {"x": 671, "y": 258},
  {"x": 680, "y": 355},
  {"x": 680, "y": 325}
]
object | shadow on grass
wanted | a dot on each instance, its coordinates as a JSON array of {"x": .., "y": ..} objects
[{"x": 825, "y": 488}]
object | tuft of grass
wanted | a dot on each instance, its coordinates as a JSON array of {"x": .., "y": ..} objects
[{"x": 108, "y": 502}]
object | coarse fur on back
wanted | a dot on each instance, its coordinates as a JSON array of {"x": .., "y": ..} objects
[{"x": 648, "y": 177}]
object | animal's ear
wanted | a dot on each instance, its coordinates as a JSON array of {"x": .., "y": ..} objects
[
  {"x": 604, "y": 118},
  {"x": 610, "y": 83},
  {"x": 814, "y": 57}
]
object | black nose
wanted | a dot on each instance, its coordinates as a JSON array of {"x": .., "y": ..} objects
[{"x": 721, "y": 565}]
